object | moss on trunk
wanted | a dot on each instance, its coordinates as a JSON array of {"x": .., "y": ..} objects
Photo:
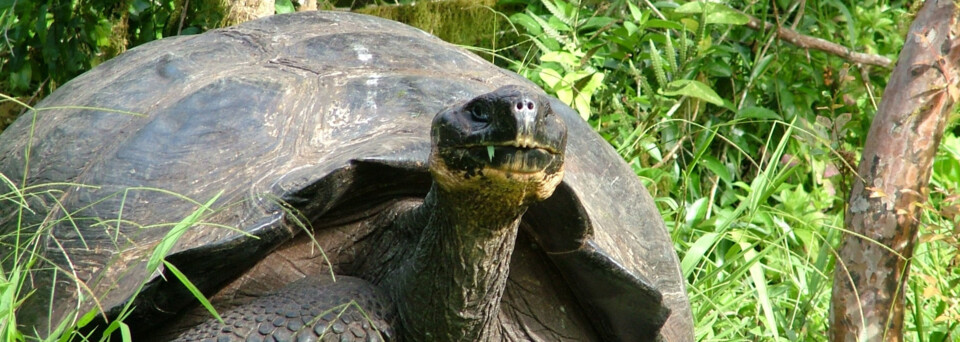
[{"x": 462, "y": 22}]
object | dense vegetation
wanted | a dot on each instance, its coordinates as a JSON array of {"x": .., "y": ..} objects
[{"x": 748, "y": 144}]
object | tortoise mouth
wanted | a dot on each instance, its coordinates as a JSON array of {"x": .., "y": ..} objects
[{"x": 513, "y": 157}]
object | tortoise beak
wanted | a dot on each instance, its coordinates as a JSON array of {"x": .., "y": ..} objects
[{"x": 510, "y": 130}]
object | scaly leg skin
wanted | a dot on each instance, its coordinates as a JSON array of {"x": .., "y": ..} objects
[{"x": 309, "y": 309}]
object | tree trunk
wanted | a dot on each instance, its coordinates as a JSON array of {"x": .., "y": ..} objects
[{"x": 882, "y": 215}]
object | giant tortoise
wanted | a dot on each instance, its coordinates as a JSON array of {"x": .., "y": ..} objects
[{"x": 370, "y": 181}]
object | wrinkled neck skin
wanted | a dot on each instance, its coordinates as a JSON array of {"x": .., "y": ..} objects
[{"x": 450, "y": 288}]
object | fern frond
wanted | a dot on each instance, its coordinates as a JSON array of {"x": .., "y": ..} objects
[
  {"x": 549, "y": 30},
  {"x": 539, "y": 44},
  {"x": 557, "y": 12}
]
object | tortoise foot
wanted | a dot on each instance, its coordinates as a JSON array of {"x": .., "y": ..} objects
[{"x": 310, "y": 309}]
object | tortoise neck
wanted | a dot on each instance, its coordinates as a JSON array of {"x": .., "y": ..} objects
[{"x": 458, "y": 272}]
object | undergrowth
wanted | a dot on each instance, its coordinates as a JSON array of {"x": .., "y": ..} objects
[{"x": 749, "y": 146}]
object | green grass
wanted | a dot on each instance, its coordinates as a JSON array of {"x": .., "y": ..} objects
[
  {"x": 22, "y": 260},
  {"x": 22, "y": 245},
  {"x": 24, "y": 254}
]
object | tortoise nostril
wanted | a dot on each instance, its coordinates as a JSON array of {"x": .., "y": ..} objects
[{"x": 525, "y": 104}]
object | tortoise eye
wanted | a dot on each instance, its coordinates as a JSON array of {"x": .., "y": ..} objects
[{"x": 479, "y": 114}]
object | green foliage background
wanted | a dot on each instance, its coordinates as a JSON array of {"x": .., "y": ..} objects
[
  {"x": 747, "y": 143},
  {"x": 49, "y": 42}
]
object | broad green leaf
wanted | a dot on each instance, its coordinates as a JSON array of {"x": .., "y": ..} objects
[
  {"x": 716, "y": 167},
  {"x": 690, "y": 24},
  {"x": 562, "y": 57},
  {"x": 596, "y": 80},
  {"x": 582, "y": 104},
  {"x": 716, "y": 13},
  {"x": 102, "y": 33},
  {"x": 652, "y": 148},
  {"x": 527, "y": 22},
  {"x": 596, "y": 23},
  {"x": 657, "y": 23},
  {"x": 630, "y": 27},
  {"x": 693, "y": 88},
  {"x": 584, "y": 94},
  {"x": 550, "y": 77},
  {"x": 558, "y": 24},
  {"x": 635, "y": 12},
  {"x": 566, "y": 95},
  {"x": 138, "y": 6},
  {"x": 21, "y": 79},
  {"x": 283, "y": 6},
  {"x": 725, "y": 16},
  {"x": 719, "y": 68},
  {"x": 692, "y": 7},
  {"x": 761, "y": 66},
  {"x": 696, "y": 211}
]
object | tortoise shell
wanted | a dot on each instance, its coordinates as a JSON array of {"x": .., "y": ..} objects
[{"x": 293, "y": 118}]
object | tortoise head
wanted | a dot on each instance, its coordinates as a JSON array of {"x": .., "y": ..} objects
[{"x": 506, "y": 144}]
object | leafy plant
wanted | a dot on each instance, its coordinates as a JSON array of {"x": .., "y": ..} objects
[
  {"x": 746, "y": 142},
  {"x": 46, "y": 43}
]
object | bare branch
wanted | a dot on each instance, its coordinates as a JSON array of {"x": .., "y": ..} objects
[{"x": 808, "y": 42}]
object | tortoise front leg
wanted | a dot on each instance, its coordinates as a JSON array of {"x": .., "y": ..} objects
[{"x": 310, "y": 309}]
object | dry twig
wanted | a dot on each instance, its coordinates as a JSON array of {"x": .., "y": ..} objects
[{"x": 808, "y": 42}]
